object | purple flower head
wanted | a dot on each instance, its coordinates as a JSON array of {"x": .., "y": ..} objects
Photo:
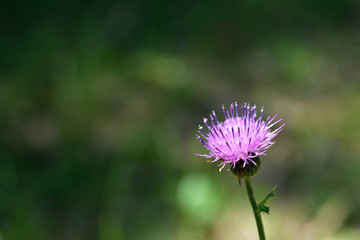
[{"x": 241, "y": 136}]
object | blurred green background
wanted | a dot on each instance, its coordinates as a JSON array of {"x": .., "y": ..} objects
[{"x": 100, "y": 102}]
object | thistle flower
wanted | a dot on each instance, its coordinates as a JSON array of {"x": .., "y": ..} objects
[{"x": 241, "y": 138}]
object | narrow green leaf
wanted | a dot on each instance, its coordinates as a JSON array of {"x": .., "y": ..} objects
[{"x": 262, "y": 207}]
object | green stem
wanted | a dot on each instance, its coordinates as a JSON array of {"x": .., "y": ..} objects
[{"x": 255, "y": 208}]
